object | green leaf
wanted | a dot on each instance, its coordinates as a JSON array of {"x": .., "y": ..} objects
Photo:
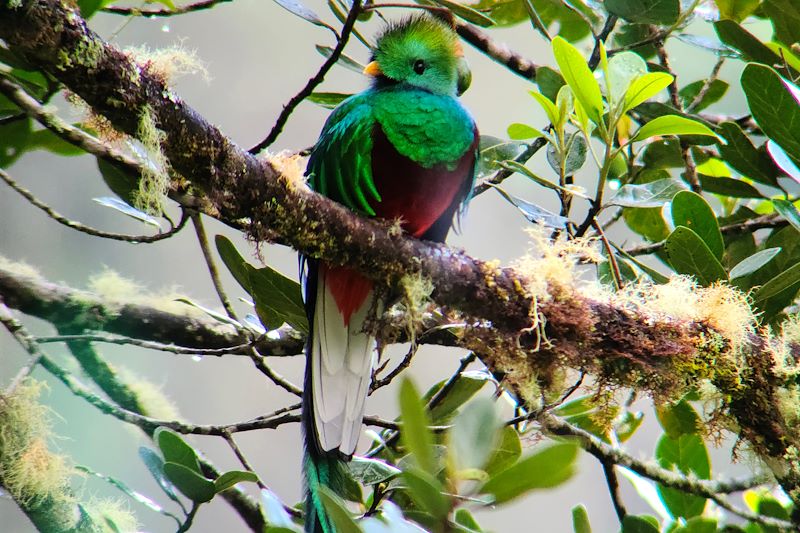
[
  {"x": 678, "y": 419},
  {"x": 579, "y": 78},
  {"x": 193, "y": 485},
  {"x": 548, "y": 106},
  {"x": 155, "y": 465},
  {"x": 662, "y": 12},
  {"x": 773, "y": 106},
  {"x": 671, "y": 125},
  {"x": 464, "y": 518},
  {"x": 687, "y": 454},
  {"x": 782, "y": 159},
  {"x": 575, "y": 159},
  {"x": 338, "y": 513},
  {"x": 464, "y": 388},
  {"x": 493, "y": 150},
  {"x": 645, "y": 87},
  {"x": 175, "y": 450},
  {"x": 229, "y": 479},
  {"x": 427, "y": 492},
  {"x": 689, "y": 209},
  {"x": 544, "y": 469},
  {"x": 580, "y": 520},
  {"x": 736, "y": 10},
  {"x": 534, "y": 213},
  {"x": 745, "y": 42},
  {"x": 653, "y": 194},
  {"x": 90, "y": 7},
  {"x": 327, "y": 100},
  {"x": 519, "y": 131},
  {"x": 713, "y": 94},
  {"x": 474, "y": 434},
  {"x": 47, "y": 140},
  {"x": 639, "y": 524},
  {"x": 122, "y": 183},
  {"x": 466, "y": 12},
  {"x": 14, "y": 141},
  {"x": 344, "y": 60},
  {"x": 368, "y": 471},
  {"x": 788, "y": 279},
  {"x": 299, "y": 9},
  {"x": 415, "y": 434},
  {"x": 549, "y": 82},
  {"x": 623, "y": 69},
  {"x": 754, "y": 263},
  {"x": 743, "y": 157},
  {"x": 788, "y": 211},
  {"x": 785, "y": 16},
  {"x": 277, "y": 298},
  {"x": 506, "y": 453},
  {"x": 735, "y": 188},
  {"x": 700, "y": 524},
  {"x": 688, "y": 254},
  {"x": 627, "y": 426}
]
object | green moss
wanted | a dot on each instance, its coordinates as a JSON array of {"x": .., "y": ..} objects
[
  {"x": 154, "y": 184},
  {"x": 29, "y": 471},
  {"x": 86, "y": 53}
]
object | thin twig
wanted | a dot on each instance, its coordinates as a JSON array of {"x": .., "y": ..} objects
[
  {"x": 610, "y": 253},
  {"x": 261, "y": 364},
  {"x": 613, "y": 489},
  {"x": 318, "y": 78},
  {"x": 706, "y": 85},
  {"x": 754, "y": 224},
  {"x": 78, "y": 226},
  {"x": 239, "y": 349},
  {"x": 706, "y": 488},
  {"x": 25, "y": 340},
  {"x": 202, "y": 238},
  {"x": 228, "y": 436},
  {"x": 608, "y": 27},
  {"x": 402, "y": 365},
  {"x": 674, "y": 96}
]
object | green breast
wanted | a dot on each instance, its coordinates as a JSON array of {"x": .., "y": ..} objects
[{"x": 427, "y": 128}]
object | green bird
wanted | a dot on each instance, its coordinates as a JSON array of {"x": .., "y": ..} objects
[{"x": 404, "y": 149}]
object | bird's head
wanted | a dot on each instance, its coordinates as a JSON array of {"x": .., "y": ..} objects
[{"x": 423, "y": 52}]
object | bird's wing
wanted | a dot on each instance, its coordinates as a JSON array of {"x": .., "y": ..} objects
[{"x": 340, "y": 166}]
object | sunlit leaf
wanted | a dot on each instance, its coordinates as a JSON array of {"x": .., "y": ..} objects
[
  {"x": 579, "y": 78},
  {"x": 645, "y": 87},
  {"x": 672, "y": 125}
]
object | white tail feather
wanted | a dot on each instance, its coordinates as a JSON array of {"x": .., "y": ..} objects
[{"x": 342, "y": 359}]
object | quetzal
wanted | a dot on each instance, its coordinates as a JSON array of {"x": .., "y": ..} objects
[{"x": 404, "y": 149}]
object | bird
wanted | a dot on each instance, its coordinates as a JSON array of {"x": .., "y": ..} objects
[{"x": 402, "y": 150}]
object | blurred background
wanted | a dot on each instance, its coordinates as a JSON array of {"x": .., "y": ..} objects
[{"x": 257, "y": 56}]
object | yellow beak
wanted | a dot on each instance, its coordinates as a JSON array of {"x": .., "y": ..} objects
[{"x": 373, "y": 69}]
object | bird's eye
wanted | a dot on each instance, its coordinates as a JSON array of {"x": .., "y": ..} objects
[{"x": 419, "y": 66}]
